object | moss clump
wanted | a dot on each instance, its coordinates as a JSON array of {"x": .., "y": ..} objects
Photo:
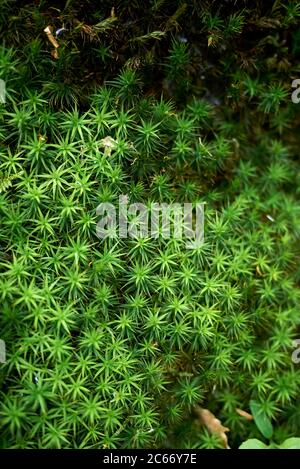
[{"x": 111, "y": 343}]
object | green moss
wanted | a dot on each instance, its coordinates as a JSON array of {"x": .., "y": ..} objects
[{"x": 111, "y": 343}]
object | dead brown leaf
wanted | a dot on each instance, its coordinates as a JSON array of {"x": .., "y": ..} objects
[
  {"x": 54, "y": 53},
  {"x": 244, "y": 414},
  {"x": 213, "y": 425},
  {"x": 50, "y": 36}
]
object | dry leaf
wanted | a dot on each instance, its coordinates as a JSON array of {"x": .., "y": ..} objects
[
  {"x": 50, "y": 36},
  {"x": 87, "y": 29},
  {"x": 244, "y": 414},
  {"x": 109, "y": 144},
  {"x": 213, "y": 425},
  {"x": 54, "y": 53}
]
